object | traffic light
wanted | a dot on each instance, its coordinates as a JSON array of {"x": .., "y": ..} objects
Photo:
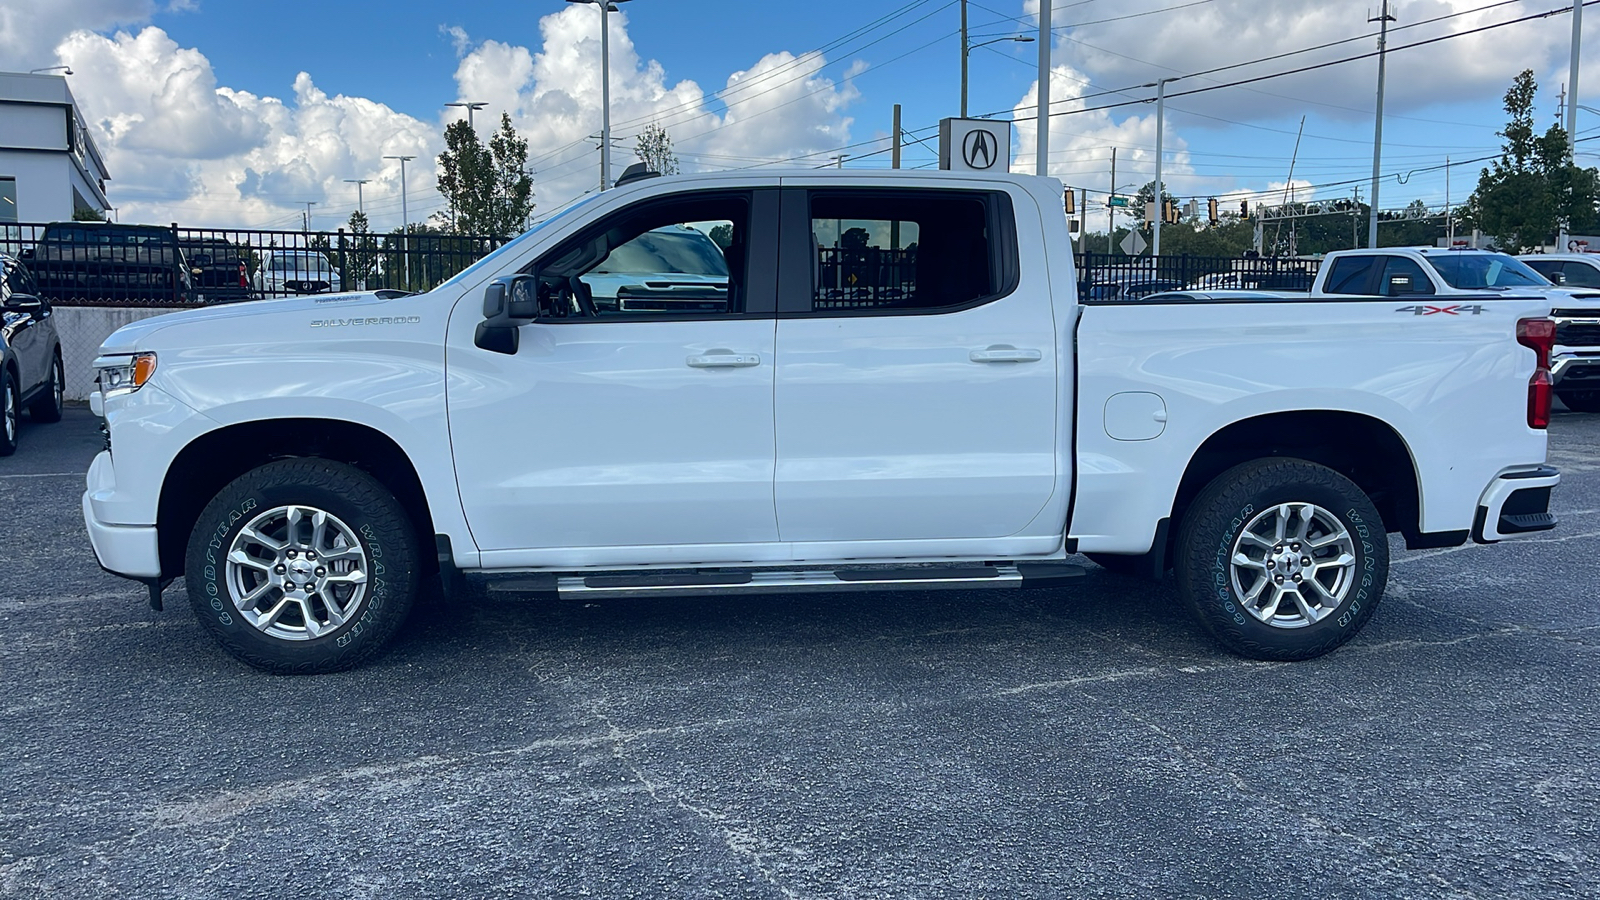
[
  {"x": 1211, "y": 211},
  {"x": 1169, "y": 212},
  {"x": 1071, "y": 206},
  {"x": 1244, "y": 209}
]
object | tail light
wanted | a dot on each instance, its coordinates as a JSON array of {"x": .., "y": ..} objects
[
  {"x": 1538, "y": 335},
  {"x": 244, "y": 280}
]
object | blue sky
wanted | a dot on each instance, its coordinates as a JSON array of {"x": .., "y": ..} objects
[{"x": 223, "y": 110}]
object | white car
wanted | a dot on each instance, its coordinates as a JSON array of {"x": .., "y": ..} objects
[
  {"x": 966, "y": 421},
  {"x": 284, "y": 272}
]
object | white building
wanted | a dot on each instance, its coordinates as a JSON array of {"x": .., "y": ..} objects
[{"x": 49, "y": 166}]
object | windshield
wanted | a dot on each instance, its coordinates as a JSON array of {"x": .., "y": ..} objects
[
  {"x": 284, "y": 263},
  {"x": 1479, "y": 271},
  {"x": 494, "y": 259},
  {"x": 686, "y": 252}
]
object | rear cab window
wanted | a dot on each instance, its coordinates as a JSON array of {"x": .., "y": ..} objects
[
  {"x": 1350, "y": 275},
  {"x": 895, "y": 252}
]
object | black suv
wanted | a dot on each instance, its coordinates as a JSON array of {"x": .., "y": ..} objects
[
  {"x": 105, "y": 262},
  {"x": 219, "y": 270},
  {"x": 31, "y": 374}
]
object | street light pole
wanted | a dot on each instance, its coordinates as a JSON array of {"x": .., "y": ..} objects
[
  {"x": 606, "y": 6},
  {"x": 305, "y": 222},
  {"x": 358, "y": 182},
  {"x": 1161, "y": 110},
  {"x": 405, "y": 220},
  {"x": 966, "y": 50},
  {"x": 1572, "y": 82},
  {"x": 1377, "y": 129},
  {"x": 471, "y": 108}
]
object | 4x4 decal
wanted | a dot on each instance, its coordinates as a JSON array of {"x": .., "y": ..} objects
[{"x": 1457, "y": 310}]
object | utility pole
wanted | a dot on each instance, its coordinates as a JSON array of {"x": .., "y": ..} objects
[
  {"x": 963, "y": 59},
  {"x": 358, "y": 182},
  {"x": 305, "y": 219},
  {"x": 1111, "y": 211},
  {"x": 1042, "y": 166},
  {"x": 1161, "y": 107},
  {"x": 840, "y": 158},
  {"x": 894, "y": 155},
  {"x": 606, "y": 6},
  {"x": 1572, "y": 86},
  {"x": 1449, "y": 211},
  {"x": 1377, "y": 129}
]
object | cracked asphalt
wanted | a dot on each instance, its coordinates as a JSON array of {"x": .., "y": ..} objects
[{"x": 1076, "y": 743}]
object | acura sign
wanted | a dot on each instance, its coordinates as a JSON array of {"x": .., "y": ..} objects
[{"x": 974, "y": 145}]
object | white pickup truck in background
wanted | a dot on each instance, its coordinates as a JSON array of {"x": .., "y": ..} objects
[{"x": 896, "y": 387}]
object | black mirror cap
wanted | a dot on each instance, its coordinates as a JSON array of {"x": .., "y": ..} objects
[
  {"x": 639, "y": 171},
  {"x": 24, "y": 303},
  {"x": 497, "y": 338}
]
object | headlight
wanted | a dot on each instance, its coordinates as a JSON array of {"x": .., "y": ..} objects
[{"x": 124, "y": 373}]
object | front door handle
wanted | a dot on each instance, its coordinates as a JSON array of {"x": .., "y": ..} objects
[
  {"x": 1002, "y": 353},
  {"x": 724, "y": 359}
]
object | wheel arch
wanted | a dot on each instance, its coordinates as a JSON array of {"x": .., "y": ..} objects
[
  {"x": 212, "y": 460},
  {"x": 1360, "y": 447}
]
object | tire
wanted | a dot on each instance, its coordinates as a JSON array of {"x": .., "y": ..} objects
[
  {"x": 1134, "y": 566},
  {"x": 326, "y": 601},
  {"x": 10, "y": 400},
  {"x": 47, "y": 406},
  {"x": 1581, "y": 401},
  {"x": 1235, "y": 602}
]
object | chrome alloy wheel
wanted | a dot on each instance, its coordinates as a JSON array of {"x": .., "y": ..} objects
[
  {"x": 10, "y": 415},
  {"x": 59, "y": 387},
  {"x": 297, "y": 572},
  {"x": 1293, "y": 565}
]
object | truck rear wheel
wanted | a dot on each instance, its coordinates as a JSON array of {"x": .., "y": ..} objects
[
  {"x": 302, "y": 566},
  {"x": 1282, "y": 559}
]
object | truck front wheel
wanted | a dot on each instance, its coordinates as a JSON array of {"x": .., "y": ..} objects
[
  {"x": 302, "y": 566},
  {"x": 1282, "y": 559}
]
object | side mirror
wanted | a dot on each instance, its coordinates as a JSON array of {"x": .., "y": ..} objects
[
  {"x": 27, "y": 303},
  {"x": 27, "y": 253},
  {"x": 197, "y": 271},
  {"x": 508, "y": 304}
]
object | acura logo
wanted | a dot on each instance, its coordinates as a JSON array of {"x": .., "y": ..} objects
[{"x": 979, "y": 149}]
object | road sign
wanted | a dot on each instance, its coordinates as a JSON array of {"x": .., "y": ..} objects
[
  {"x": 1133, "y": 244},
  {"x": 1117, "y": 201}
]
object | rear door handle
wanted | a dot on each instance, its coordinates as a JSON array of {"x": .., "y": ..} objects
[
  {"x": 1003, "y": 353},
  {"x": 723, "y": 359}
]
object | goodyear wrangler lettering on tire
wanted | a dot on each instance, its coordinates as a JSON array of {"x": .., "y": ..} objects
[
  {"x": 1269, "y": 569},
  {"x": 289, "y": 581}
]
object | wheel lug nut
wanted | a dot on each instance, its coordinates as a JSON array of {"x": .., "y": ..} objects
[
  {"x": 311, "y": 554},
  {"x": 1297, "y": 579},
  {"x": 1305, "y": 560},
  {"x": 1278, "y": 579},
  {"x": 321, "y": 572},
  {"x": 1271, "y": 564},
  {"x": 1295, "y": 547},
  {"x": 280, "y": 570},
  {"x": 292, "y": 554}
]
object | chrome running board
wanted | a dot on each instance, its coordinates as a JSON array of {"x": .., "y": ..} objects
[{"x": 778, "y": 581}]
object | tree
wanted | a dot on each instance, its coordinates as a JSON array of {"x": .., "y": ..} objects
[
  {"x": 511, "y": 195},
  {"x": 464, "y": 180},
  {"x": 654, "y": 148},
  {"x": 88, "y": 214},
  {"x": 359, "y": 260},
  {"x": 487, "y": 189},
  {"x": 722, "y": 235},
  {"x": 1534, "y": 188}
]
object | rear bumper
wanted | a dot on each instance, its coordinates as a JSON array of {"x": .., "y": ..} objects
[
  {"x": 1516, "y": 503},
  {"x": 131, "y": 551}
]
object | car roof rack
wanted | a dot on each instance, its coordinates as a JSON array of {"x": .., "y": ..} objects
[{"x": 639, "y": 171}]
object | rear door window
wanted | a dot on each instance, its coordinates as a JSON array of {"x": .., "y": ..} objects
[
  {"x": 905, "y": 251},
  {"x": 1350, "y": 275},
  {"x": 1579, "y": 274}
]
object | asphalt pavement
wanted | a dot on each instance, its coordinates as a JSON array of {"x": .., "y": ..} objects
[{"x": 1082, "y": 743}]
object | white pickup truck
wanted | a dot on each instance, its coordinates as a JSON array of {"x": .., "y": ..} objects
[{"x": 898, "y": 387}]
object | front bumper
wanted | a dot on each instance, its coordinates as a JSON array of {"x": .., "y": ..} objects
[
  {"x": 1575, "y": 370},
  {"x": 1516, "y": 503},
  {"x": 131, "y": 551}
]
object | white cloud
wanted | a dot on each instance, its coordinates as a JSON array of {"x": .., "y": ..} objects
[
  {"x": 1136, "y": 50},
  {"x": 1081, "y": 142},
  {"x": 182, "y": 147},
  {"x": 30, "y": 29}
]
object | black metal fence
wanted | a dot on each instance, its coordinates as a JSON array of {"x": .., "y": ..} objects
[
  {"x": 101, "y": 264},
  {"x": 1104, "y": 276}
]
